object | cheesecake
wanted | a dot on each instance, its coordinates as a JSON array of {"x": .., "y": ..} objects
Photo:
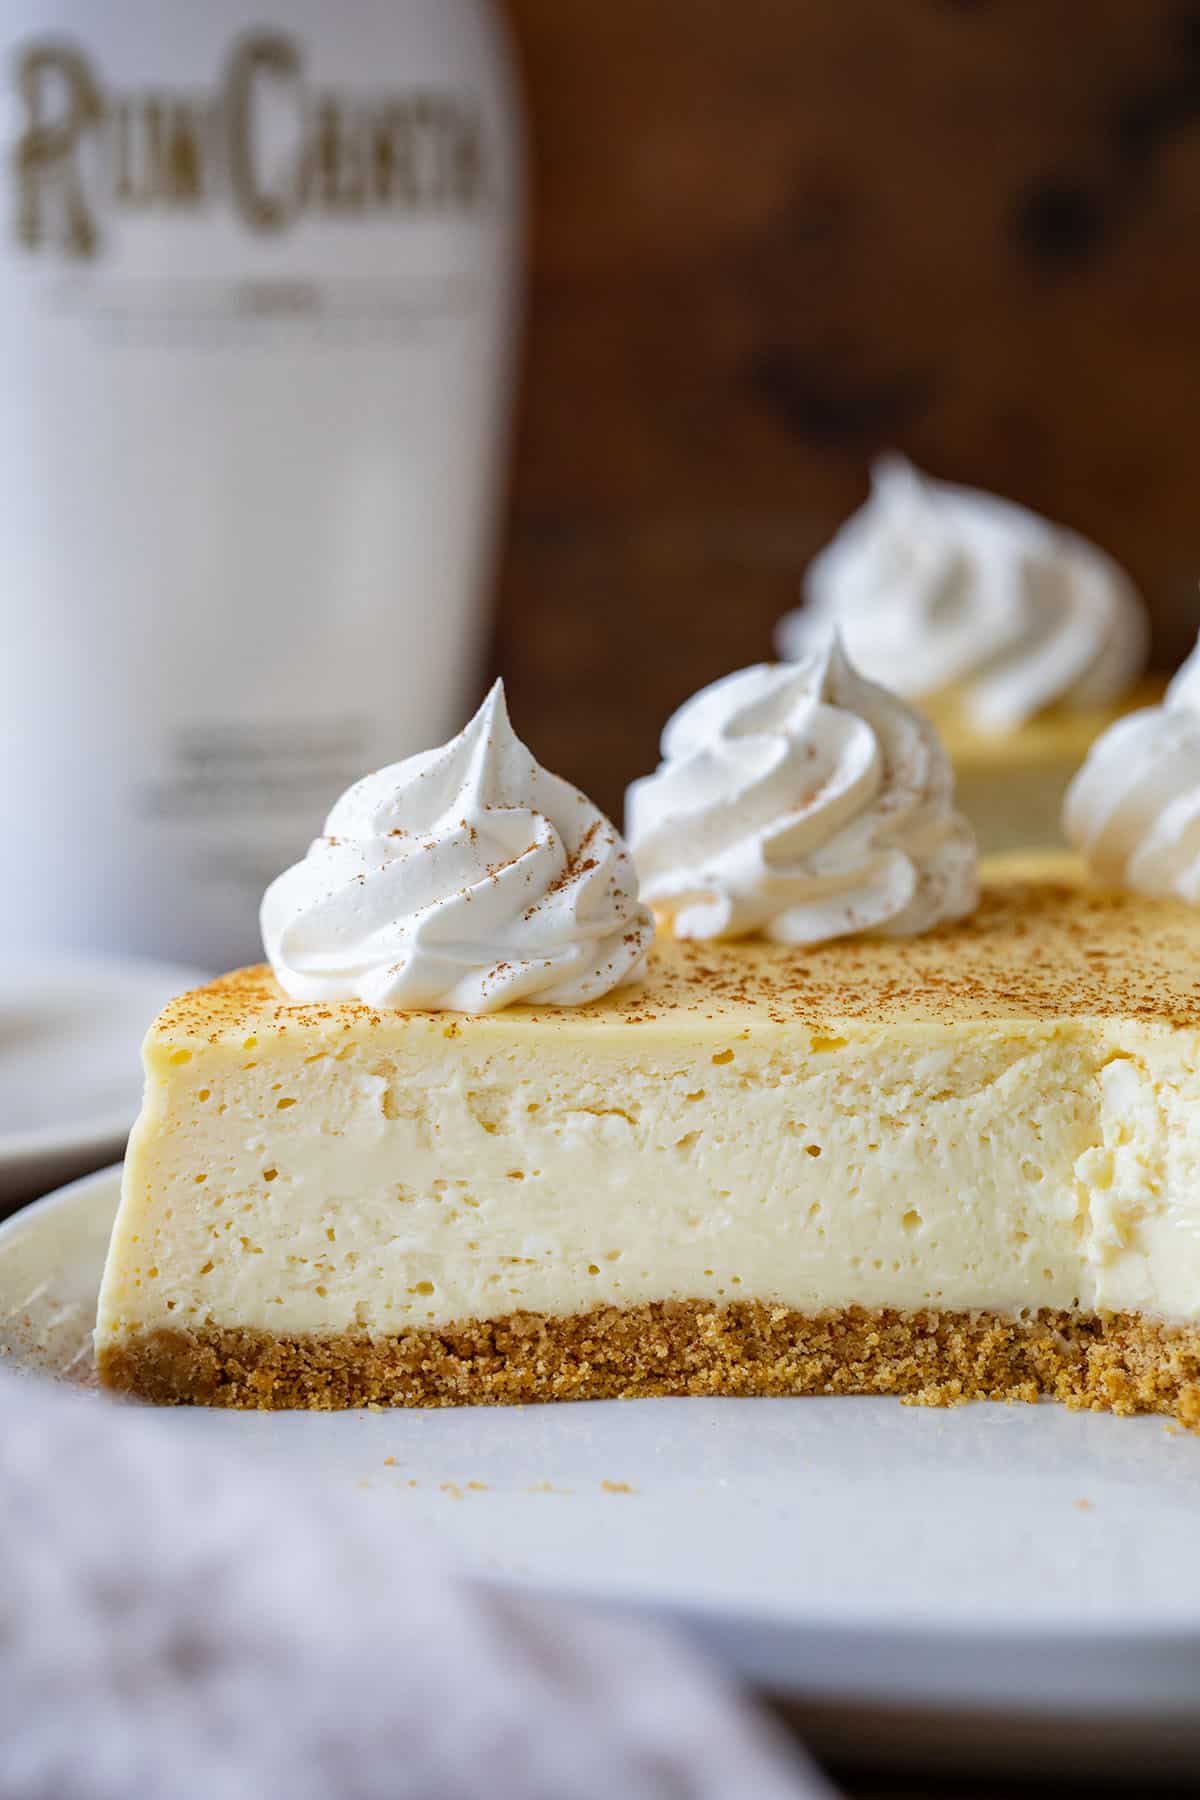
[
  {"x": 1012, "y": 784},
  {"x": 960, "y": 1165},
  {"x": 1021, "y": 640},
  {"x": 853, "y": 1121}
]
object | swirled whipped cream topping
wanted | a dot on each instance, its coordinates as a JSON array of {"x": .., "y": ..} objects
[
  {"x": 465, "y": 878},
  {"x": 798, "y": 800},
  {"x": 937, "y": 588},
  {"x": 1133, "y": 810}
]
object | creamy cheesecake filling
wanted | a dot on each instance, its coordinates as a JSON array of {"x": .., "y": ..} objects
[
  {"x": 1017, "y": 808},
  {"x": 376, "y": 1181},
  {"x": 1012, "y": 786}
]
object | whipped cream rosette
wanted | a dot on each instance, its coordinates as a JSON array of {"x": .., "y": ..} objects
[
  {"x": 1133, "y": 810},
  {"x": 942, "y": 589},
  {"x": 465, "y": 878},
  {"x": 803, "y": 802}
]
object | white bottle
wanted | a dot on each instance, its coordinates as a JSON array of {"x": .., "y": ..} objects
[{"x": 257, "y": 296}]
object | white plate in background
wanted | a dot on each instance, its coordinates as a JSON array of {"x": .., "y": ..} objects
[
  {"x": 71, "y": 1030},
  {"x": 1014, "y": 1584}
]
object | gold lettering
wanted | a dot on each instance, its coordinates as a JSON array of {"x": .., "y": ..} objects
[
  {"x": 122, "y": 124},
  {"x": 426, "y": 112},
  {"x": 468, "y": 164},
  {"x": 256, "y": 58},
  {"x": 335, "y": 171},
  {"x": 154, "y": 119},
  {"x": 46, "y": 153},
  {"x": 183, "y": 172},
  {"x": 265, "y": 143},
  {"x": 393, "y": 157}
]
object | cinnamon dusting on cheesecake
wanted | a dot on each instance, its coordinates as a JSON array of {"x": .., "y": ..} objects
[{"x": 1042, "y": 948}]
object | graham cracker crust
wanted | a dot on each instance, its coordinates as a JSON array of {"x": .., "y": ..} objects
[{"x": 1116, "y": 1362}]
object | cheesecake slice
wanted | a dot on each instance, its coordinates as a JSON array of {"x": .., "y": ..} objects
[{"x": 964, "y": 1164}]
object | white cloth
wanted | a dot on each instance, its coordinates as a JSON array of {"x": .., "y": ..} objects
[{"x": 177, "y": 1623}]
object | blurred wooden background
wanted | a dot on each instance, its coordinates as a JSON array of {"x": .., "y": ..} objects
[{"x": 774, "y": 236}]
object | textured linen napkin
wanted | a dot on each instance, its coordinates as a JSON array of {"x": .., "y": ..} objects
[{"x": 179, "y": 1623}]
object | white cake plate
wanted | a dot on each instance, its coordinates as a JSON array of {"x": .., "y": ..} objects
[
  {"x": 992, "y": 1582},
  {"x": 70, "y": 1079}
]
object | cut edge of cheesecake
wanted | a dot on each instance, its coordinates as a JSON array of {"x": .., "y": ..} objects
[{"x": 1113, "y": 1356}]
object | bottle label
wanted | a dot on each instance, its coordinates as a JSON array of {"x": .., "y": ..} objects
[{"x": 268, "y": 144}]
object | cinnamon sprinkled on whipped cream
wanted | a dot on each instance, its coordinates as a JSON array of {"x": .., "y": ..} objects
[{"x": 465, "y": 878}]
